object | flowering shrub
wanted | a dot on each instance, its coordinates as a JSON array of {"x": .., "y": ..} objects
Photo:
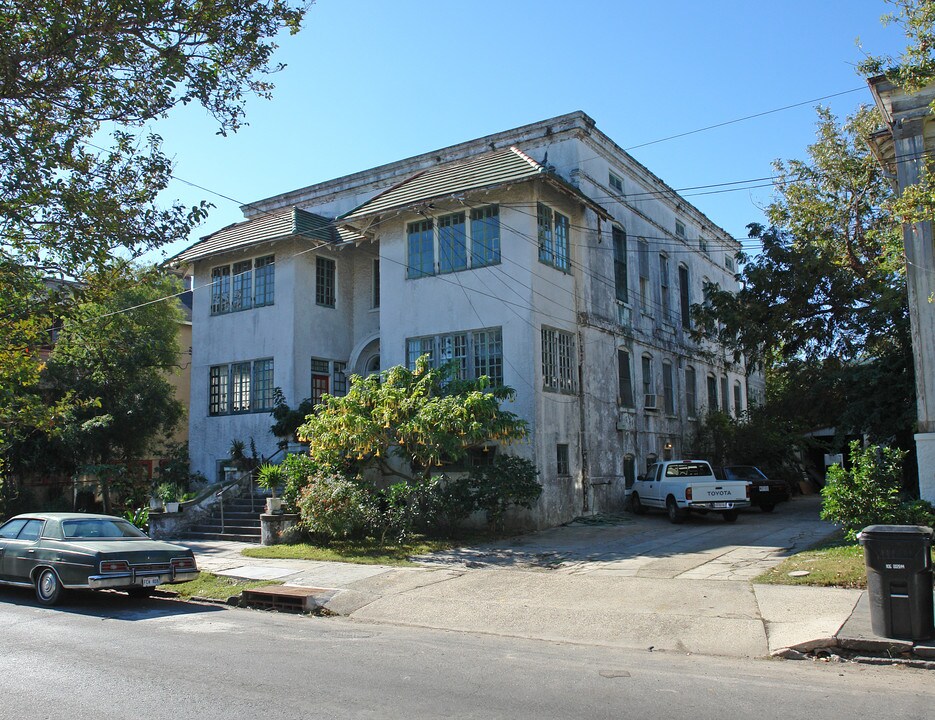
[{"x": 334, "y": 506}]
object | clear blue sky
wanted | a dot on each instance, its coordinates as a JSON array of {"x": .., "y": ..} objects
[{"x": 372, "y": 81}]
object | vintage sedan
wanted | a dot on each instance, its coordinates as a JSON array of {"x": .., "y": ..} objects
[
  {"x": 765, "y": 492},
  {"x": 55, "y": 552}
]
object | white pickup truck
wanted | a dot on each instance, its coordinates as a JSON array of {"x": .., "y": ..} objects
[{"x": 683, "y": 486}]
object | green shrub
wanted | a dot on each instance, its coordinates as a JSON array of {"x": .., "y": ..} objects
[
  {"x": 271, "y": 477},
  {"x": 299, "y": 471},
  {"x": 868, "y": 493},
  {"x": 509, "y": 481},
  {"x": 333, "y": 506}
]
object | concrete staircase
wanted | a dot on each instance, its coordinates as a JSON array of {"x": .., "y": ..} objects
[{"x": 241, "y": 521}]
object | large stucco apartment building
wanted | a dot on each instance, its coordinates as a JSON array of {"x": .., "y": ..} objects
[{"x": 544, "y": 257}]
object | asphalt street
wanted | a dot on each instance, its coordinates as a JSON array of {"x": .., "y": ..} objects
[{"x": 109, "y": 657}]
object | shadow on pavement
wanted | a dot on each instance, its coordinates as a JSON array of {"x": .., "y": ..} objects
[{"x": 109, "y": 604}]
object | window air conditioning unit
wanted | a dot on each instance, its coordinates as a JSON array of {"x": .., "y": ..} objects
[{"x": 650, "y": 402}]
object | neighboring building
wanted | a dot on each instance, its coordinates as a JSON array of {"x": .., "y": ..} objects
[
  {"x": 904, "y": 149},
  {"x": 544, "y": 257}
]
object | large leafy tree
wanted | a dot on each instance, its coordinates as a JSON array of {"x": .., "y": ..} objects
[
  {"x": 112, "y": 359},
  {"x": 426, "y": 418},
  {"x": 824, "y": 304},
  {"x": 79, "y": 175}
]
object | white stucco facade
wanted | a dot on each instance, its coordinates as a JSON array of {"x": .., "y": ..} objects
[{"x": 603, "y": 433}]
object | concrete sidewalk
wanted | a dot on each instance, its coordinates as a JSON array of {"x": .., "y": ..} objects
[{"x": 703, "y": 616}]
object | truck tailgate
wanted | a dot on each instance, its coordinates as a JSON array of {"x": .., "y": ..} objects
[{"x": 719, "y": 491}]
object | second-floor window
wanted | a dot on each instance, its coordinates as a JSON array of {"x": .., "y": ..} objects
[
  {"x": 553, "y": 237},
  {"x": 684, "y": 300},
  {"x": 559, "y": 371},
  {"x": 240, "y": 387},
  {"x": 624, "y": 379},
  {"x": 324, "y": 282},
  {"x": 455, "y": 242},
  {"x": 664, "y": 289},
  {"x": 691, "y": 405},
  {"x": 620, "y": 264},
  {"x": 243, "y": 285}
]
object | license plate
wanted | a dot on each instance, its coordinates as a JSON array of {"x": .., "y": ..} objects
[
  {"x": 722, "y": 505},
  {"x": 150, "y": 581},
  {"x": 764, "y": 488}
]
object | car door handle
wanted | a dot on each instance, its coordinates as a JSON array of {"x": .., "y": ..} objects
[{"x": 31, "y": 551}]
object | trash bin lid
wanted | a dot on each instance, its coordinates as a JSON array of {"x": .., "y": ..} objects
[{"x": 903, "y": 531}]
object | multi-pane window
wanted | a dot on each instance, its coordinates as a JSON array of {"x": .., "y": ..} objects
[
  {"x": 452, "y": 243},
  {"x": 562, "y": 466},
  {"x": 375, "y": 285},
  {"x": 679, "y": 229},
  {"x": 664, "y": 288},
  {"x": 643, "y": 251},
  {"x": 729, "y": 262},
  {"x": 668, "y": 388},
  {"x": 243, "y": 285},
  {"x": 738, "y": 399},
  {"x": 262, "y": 385},
  {"x": 703, "y": 245},
  {"x": 485, "y": 236},
  {"x": 474, "y": 352},
  {"x": 620, "y": 264},
  {"x": 624, "y": 379},
  {"x": 324, "y": 282},
  {"x": 712, "y": 393},
  {"x": 321, "y": 379},
  {"x": 553, "y": 237},
  {"x": 240, "y": 387},
  {"x": 691, "y": 404},
  {"x": 339, "y": 378},
  {"x": 615, "y": 183},
  {"x": 421, "y": 238},
  {"x": 558, "y": 360},
  {"x": 684, "y": 301},
  {"x": 460, "y": 242}
]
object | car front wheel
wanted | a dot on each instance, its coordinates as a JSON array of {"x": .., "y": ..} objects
[{"x": 48, "y": 587}]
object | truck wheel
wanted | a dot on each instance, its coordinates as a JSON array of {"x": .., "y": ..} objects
[
  {"x": 730, "y": 515},
  {"x": 675, "y": 514},
  {"x": 767, "y": 507},
  {"x": 636, "y": 506}
]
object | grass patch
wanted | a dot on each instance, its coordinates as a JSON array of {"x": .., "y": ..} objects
[
  {"x": 217, "y": 587},
  {"x": 837, "y": 563},
  {"x": 363, "y": 552}
]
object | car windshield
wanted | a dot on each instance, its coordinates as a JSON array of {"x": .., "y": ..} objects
[
  {"x": 99, "y": 528},
  {"x": 744, "y": 472},
  {"x": 688, "y": 469}
]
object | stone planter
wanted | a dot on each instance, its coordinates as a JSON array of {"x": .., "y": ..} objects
[
  {"x": 272, "y": 527},
  {"x": 273, "y": 506}
]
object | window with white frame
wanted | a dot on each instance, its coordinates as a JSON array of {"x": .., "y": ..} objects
[
  {"x": 325, "y": 282},
  {"x": 240, "y": 387},
  {"x": 475, "y": 353},
  {"x": 553, "y": 237},
  {"x": 616, "y": 183},
  {"x": 558, "y": 361},
  {"x": 679, "y": 229},
  {"x": 243, "y": 285},
  {"x": 729, "y": 263},
  {"x": 458, "y": 241}
]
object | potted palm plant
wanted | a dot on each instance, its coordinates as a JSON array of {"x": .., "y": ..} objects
[
  {"x": 168, "y": 493},
  {"x": 270, "y": 477}
]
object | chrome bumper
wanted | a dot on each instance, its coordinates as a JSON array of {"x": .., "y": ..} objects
[
  {"x": 124, "y": 580},
  {"x": 731, "y": 505}
]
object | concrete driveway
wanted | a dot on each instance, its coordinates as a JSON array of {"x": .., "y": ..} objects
[{"x": 649, "y": 546}]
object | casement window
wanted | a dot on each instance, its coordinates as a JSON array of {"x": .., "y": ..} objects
[
  {"x": 474, "y": 352},
  {"x": 240, "y": 387},
  {"x": 243, "y": 285},
  {"x": 459, "y": 241},
  {"x": 725, "y": 398},
  {"x": 664, "y": 288},
  {"x": 645, "y": 302},
  {"x": 485, "y": 236},
  {"x": 562, "y": 465},
  {"x": 684, "y": 299},
  {"x": 559, "y": 370},
  {"x": 624, "y": 379},
  {"x": 679, "y": 229},
  {"x": 712, "y": 393},
  {"x": 328, "y": 376},
  {"x": 553, "y": 237},
  {"x": 324, "y": 282},
  {"x": 738, "y": 399},
  {"x": 615, "y": 183},
  {"x": 668, "y": 388},
  {"x": 691, "y": 404},
  {"x": 375, "y": 285},
  {"x": 620, "y": 264}
]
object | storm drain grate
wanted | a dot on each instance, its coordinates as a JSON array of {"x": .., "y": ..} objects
[{"x": 283, "y": 598}]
